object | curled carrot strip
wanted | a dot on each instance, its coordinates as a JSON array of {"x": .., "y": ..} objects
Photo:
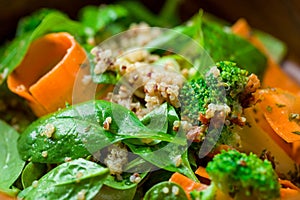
[
  {"x": 187, "y": 184},
  {"x": 274, "y": 76},
  {"x": 288, "y": 190},
  {"x": 281, "y": 110},
  {"x": 46, "y": 76},
  {"x": 201, "y": 171}
]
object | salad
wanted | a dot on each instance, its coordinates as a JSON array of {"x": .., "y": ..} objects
[{"x": 125, "y": 104}]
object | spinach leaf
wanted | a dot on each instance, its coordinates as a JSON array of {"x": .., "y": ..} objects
[
  {"x": 78, "y": 131},
  {"x": 275, "y": 47},
  {"x": 169, "y": 156},
  {"x": 53, "y": 22},
  {"x": 29, "y": 23},
  {"x": 157, "y": 120},
  {"x": 99, "y": 17},
  {"x": 70, "y": 180},
  {"x": 166, "y": 190},
  {"x": 32, "y": 172},
  {"x": 108, "y": 193},
  {"x": 221, "y": 44},
  {"x": 165, "y": 156},
  {"x": 10, "y": 163},
  {"x": 139, "y": 13}
]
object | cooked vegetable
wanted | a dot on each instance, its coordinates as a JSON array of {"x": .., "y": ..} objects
[
  {"x": 240, "y": 176},
  {"x": 223, "y": 93},
  {"x": 278, "y": 149},
  {"x": 186, "y": 184},
  {"x": 282, "y": 80},
  {"x": 281, "y": 110},
  {"x": 169, "y": 117},
  {"x": 66, "y": 58}
]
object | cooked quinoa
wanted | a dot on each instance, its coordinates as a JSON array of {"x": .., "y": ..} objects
[
  {"x": 116, "y": 158},
  {"x": 143, "y": 79}
]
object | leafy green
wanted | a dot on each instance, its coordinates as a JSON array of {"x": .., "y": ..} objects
[
  {"x": 69, "y": 180},
  {"x": 32, "y": 172},
  {"x": 166, "y": 190},
  {"x": 78, "y": 132},
  {"x": 276, "y": 48},
  {"x": 29, "y": 23},
  {"x": 138, "y": 12},
  {"x": 169, "y": 156},
  {"x": 108, "y": 193},
  {"x": 169, "y": 11},
  {"x": 53, "y": 22},
  {"x": 99, "y": 17},
  {"x": 10, "y": 163},
  {"x": 221, "y": 44}
]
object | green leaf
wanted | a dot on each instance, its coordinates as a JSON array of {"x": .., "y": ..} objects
[
  {"x": 166, "y": 190},
  {"x": 169, "y": 156},
  {"x": 221, "y": 44},
  {"x": 139, "y": 13},
  {"x": 276, "y": 48},
  {"x": 109, "y": 193},
  {"x": 70, "y": 180},
  {"x": 78, "y": 132},
  {"x": 169, "y": 11},
  {"x": 53, "y": 22},
  {"x": 29, "y": 23},
  {"x": 32, "y": 172},
  {"x": 11, "y": 164},
  {"x": 99, "y": 17}
]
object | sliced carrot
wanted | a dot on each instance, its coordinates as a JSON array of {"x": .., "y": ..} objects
[
  {"x": 288, "y": 190},
  {"x": 280, "y": 108},
  {"x": 201, "y": 171},
  {"x": 186, "y": 183},
  {"x": 274, "y": 76},
  {"x": 46, "y": 75}
]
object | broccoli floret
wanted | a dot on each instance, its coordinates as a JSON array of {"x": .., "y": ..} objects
[
  {"x": 224, "y": 90},
  {"x": 240, "y": 176}
]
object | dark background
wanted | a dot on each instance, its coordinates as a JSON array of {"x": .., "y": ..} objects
[{"x": 280, "y": 18}]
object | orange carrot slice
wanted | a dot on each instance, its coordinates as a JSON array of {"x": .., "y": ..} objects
[
  {"x": 281, "y": 110},
  {"x": 274, "y": 76},
  {"x": 186, "y": 183},
  {"x": 288, "y": 190},
  {"x": 46, "y": 76},
  {"x": 201, "y": 171}
]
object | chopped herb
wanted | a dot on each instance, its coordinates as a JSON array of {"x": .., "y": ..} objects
[
  {"x": 280, "y": 105},
  {"x": 294, "y": 117},
  {"x": 269, "y": 109},
  {"x": 296, "y": 132}
]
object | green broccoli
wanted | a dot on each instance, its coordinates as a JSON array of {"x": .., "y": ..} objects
[
  {"x": 240, "y": 176},
  {"x": 224, "y": 90}
]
